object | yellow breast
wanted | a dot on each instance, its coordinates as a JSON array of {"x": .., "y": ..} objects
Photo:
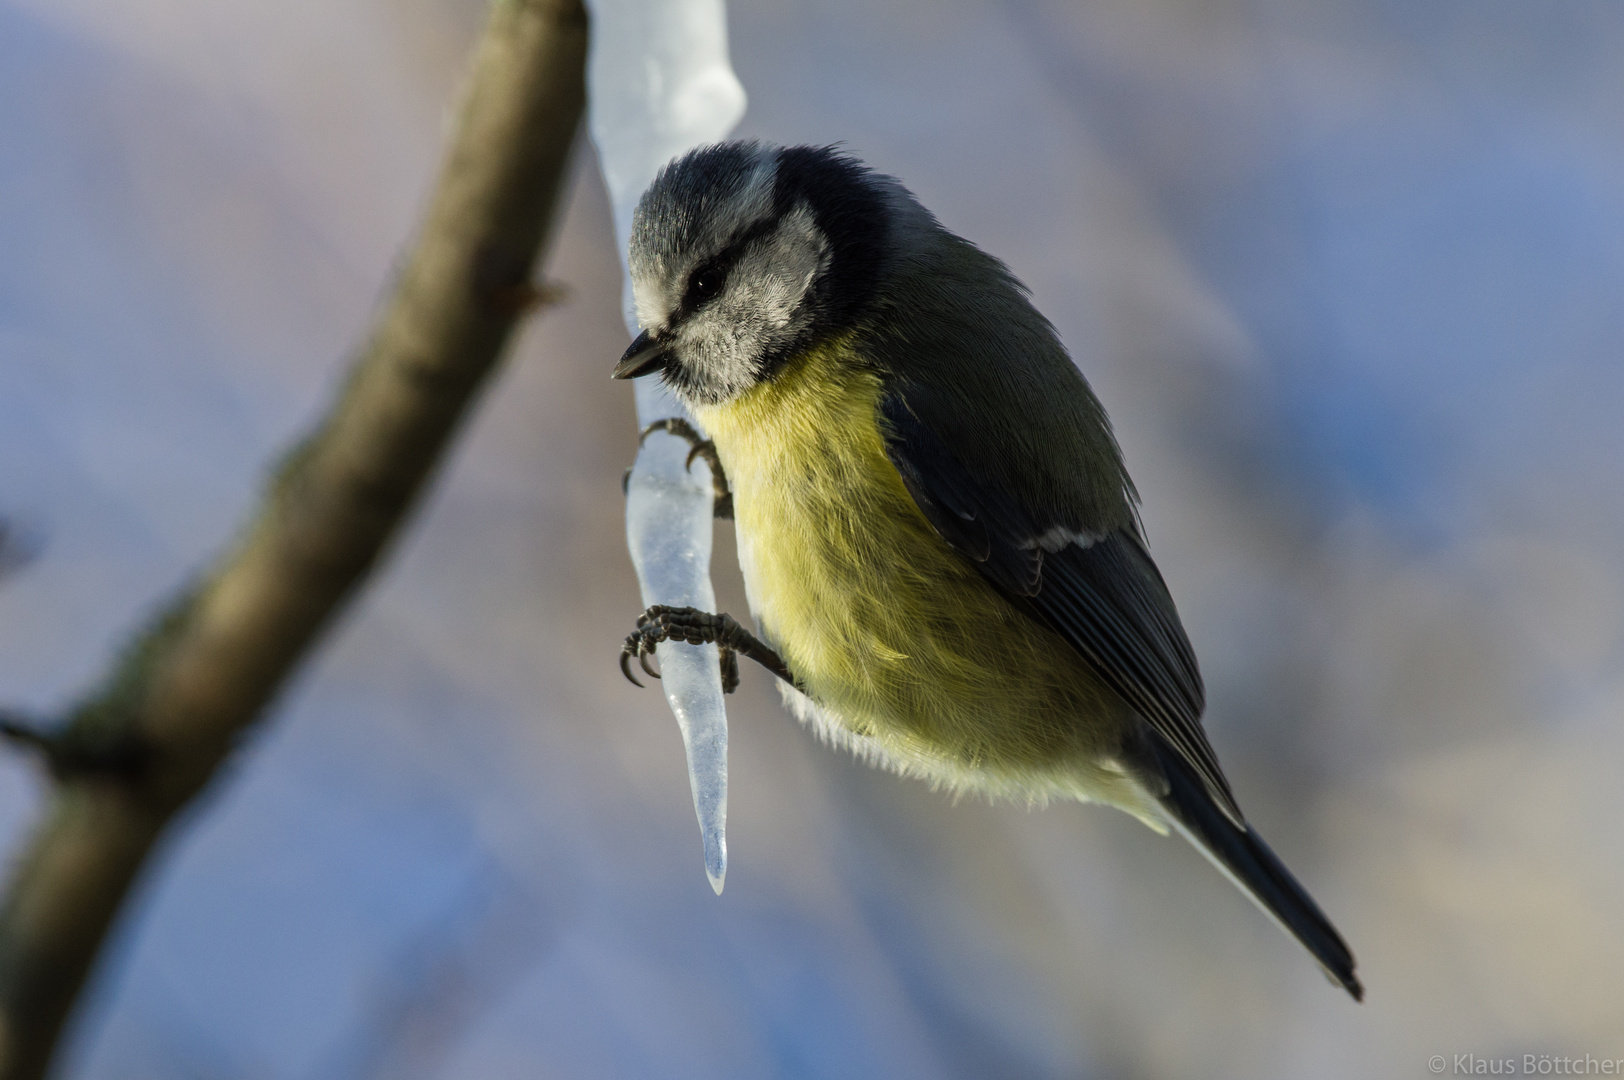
[{"x": 894, "y": 635}]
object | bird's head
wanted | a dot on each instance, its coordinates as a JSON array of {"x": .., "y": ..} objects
[{"x": 743, "y": 255}]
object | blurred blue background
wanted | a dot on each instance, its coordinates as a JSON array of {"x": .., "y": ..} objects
[{"x": 1349, "y": 275}]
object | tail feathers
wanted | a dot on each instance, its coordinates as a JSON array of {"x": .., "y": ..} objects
[{"x": 1247, "y": 861}]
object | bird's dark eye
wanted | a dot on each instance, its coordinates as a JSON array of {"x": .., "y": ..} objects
[{"x": 705, "y": 284}]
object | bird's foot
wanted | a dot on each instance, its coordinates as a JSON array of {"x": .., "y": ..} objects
[
  {"x": 661, "y": 623},
  {"x": 700, "y": 448}
]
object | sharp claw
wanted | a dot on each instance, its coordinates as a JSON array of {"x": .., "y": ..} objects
[
  {"x": 692, "y": 626},
  {"x": 697, "y": 448},
  {"x": 658, "y": 425},
  {"x": 626, "y": 670}
]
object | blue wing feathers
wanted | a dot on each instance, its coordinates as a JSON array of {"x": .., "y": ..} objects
[{"x": 1105, "y": 597}]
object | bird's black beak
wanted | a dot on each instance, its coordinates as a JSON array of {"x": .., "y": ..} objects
[{"x": 646, "y": 354}]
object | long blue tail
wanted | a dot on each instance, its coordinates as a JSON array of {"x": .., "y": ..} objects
[{"x": 1247, "y": 861}]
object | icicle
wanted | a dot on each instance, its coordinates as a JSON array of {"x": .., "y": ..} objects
[
  {"x": 660, "y": 83},
  {"x": 668, "y": 528}
]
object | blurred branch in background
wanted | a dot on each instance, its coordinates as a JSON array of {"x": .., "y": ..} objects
[{"x": 140, "y": 747}]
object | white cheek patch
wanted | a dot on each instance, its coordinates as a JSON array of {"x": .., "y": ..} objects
[
  {"x": 717, "y": 351},
  {"x": 660, "y": 275},
  {"x": 761, "y": 307},
  {"x": 770, "y": 282}
]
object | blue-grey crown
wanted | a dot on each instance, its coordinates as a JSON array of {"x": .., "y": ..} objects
[
  {"x": 687, "y": 194},
  {"x": 848, "y": 202}
]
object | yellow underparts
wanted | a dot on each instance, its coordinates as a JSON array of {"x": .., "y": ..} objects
[{"x": 908, "y": 654}]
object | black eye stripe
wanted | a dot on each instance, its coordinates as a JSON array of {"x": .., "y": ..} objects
[{"x": 708, "y": 279}]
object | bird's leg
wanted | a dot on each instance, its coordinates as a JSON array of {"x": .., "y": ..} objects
[
  {"x": 700, "y": 448},
  {"x": 660, "y": 623}
]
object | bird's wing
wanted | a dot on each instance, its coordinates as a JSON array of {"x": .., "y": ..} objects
[{"x": 1100, "y": 591}]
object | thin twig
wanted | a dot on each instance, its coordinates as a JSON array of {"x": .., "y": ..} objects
[{"x": 214, "y": 659}]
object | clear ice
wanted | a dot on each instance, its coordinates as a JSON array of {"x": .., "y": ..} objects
[{"x": 659, "y": 83}]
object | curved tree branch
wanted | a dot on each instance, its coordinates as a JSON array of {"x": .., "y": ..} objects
[{"x": 209, "y": 665}]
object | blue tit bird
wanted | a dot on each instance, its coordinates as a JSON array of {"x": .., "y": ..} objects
[{"x": 939, "y": 540}]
